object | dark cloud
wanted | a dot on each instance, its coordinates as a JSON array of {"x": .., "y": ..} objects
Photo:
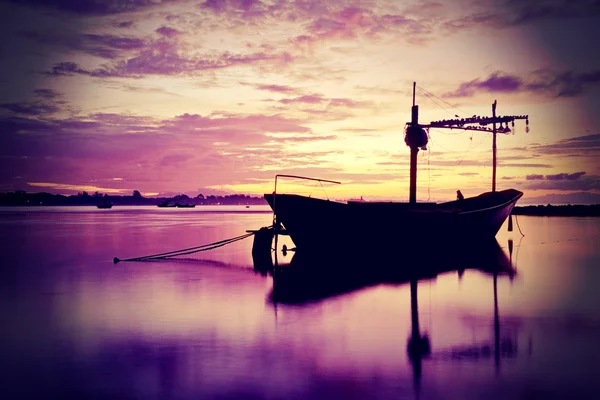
[
  {"x": 556, "y": 177},
  {"x": 588, "y": 145},
  {"x": 125, "y": 24},
  {"x": 554, "y": 84},
  {"x": 94, "y": 7},
  {"x": 104, "y": 46},
  {"x": 587, "y": 183},
  {"x": 32, "y": 109},
  {"x": 577, "y": 181},
  {"x": 534, "y": 177},
  {"x": 510, "y": 13},
  {"x": 565, "y": 176},
  {"x": 164, "y": 58},
  {"x": 44, "y": 101},
  {"x": 167, "y": 31}
]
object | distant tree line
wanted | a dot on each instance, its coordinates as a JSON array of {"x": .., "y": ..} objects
[
  {"x": 22, "y": 198},
  {"x": 569, "y": 210}
]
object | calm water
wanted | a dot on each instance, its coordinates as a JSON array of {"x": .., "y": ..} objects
[{"x": 74, "y": 325}]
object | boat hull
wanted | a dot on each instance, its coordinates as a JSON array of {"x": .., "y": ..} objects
[{"x": 317, "y": 224}]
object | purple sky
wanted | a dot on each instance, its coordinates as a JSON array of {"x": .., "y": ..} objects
[{"x": 215, "y": 96}]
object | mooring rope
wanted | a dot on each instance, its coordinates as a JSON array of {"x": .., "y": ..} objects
[
  {"x": 189, "y": 250},
  {"x": 520, "y": 231}
]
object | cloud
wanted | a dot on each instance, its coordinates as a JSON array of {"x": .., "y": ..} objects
[
  {"x": 163, "y": 58},
  {"x": 565, "y": 176},
  {"x": 66, "y": 187},
  {"x": 103, "y": 46},
  {"x": 510, "y": 13},
  {"x": 277, "y": 88},
  {"x": 534, "y": 177},
  {"x": 141, "y": 149},
  {"x": 307, "y": 99},
  {"x": 549, "y": 83},
  {"x": 348, "y": 22},
  {"x": 588, "y": 183},
  {"x": 125, "y": 24},
  {"x": 167, "y": 31},
  {"x": 588, "y": 145},
  {"x": 326, "y": 102},
  {"x": 175, "y": 158},
  {"x": 304, "y": 139},
  {"x": 577, "y": 181},
  {"x": 45, "y": 101},
  {"x": 95, "y": 7}
]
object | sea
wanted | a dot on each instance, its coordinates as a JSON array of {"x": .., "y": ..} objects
[{"x": 77, "y": 325}]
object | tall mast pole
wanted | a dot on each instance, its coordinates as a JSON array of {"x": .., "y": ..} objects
[
  {"x": 494, "y": 146},
  {"x": 414, "y": 151}
]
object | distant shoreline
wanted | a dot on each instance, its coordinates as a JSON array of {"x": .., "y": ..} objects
[
  {"x": 569, "y": 210},
  {"x": 33, "y": 200}
]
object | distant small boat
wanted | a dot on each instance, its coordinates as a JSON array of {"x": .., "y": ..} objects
[
  {"x": 105, "y": 203},
  {"x": 165, "y": 204},
  {"x": 185, "y": 205}
]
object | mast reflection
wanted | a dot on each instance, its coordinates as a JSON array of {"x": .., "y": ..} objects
[{"x": 315, "y": 277}]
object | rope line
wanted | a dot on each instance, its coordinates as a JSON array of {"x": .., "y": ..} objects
[
  {"x": 521, "y": 232},
  {"x": 189, "y": 250},
  {"x": 453, "y": 106},
  {"x": 435, "y": 102}
]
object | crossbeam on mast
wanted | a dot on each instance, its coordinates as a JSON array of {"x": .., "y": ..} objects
[{"x": 478, "y": 123}]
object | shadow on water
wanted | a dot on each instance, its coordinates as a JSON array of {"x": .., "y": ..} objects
[{"x": 312, "y": 277}]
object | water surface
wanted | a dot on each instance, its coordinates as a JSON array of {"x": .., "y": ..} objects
[{"x": 76, "y": 325}]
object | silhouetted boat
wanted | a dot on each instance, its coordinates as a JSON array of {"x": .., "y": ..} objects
[
  {"x": 316, "y": 223},
  {"x": 104, "y": 203},
  {"x": 165, "y": 203},
  {"x": 185, "y": 205}
]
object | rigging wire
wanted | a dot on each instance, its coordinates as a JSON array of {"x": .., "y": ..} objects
[
  {"x": 471, "y": 147},
  {"x": 435, "y": 102},
  {"x": 428, "y": 172},
  {"x": 453, "y": 106}
]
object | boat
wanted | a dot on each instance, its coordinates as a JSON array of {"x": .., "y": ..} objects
[
  {"x": 317, "y": 224},
  {"x": 104, "y": 203},
  {"x": 185, "y": 205},
  {"x": 165, "y": 204}
]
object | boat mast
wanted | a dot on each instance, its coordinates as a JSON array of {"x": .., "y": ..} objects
[
  {"x": 494, "y": 146},
  {"x": 413, "y": 152},
  {"x": 415, "y": 138}
]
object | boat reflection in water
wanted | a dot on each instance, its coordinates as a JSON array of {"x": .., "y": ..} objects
[{"x": 311, "y": 277}]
